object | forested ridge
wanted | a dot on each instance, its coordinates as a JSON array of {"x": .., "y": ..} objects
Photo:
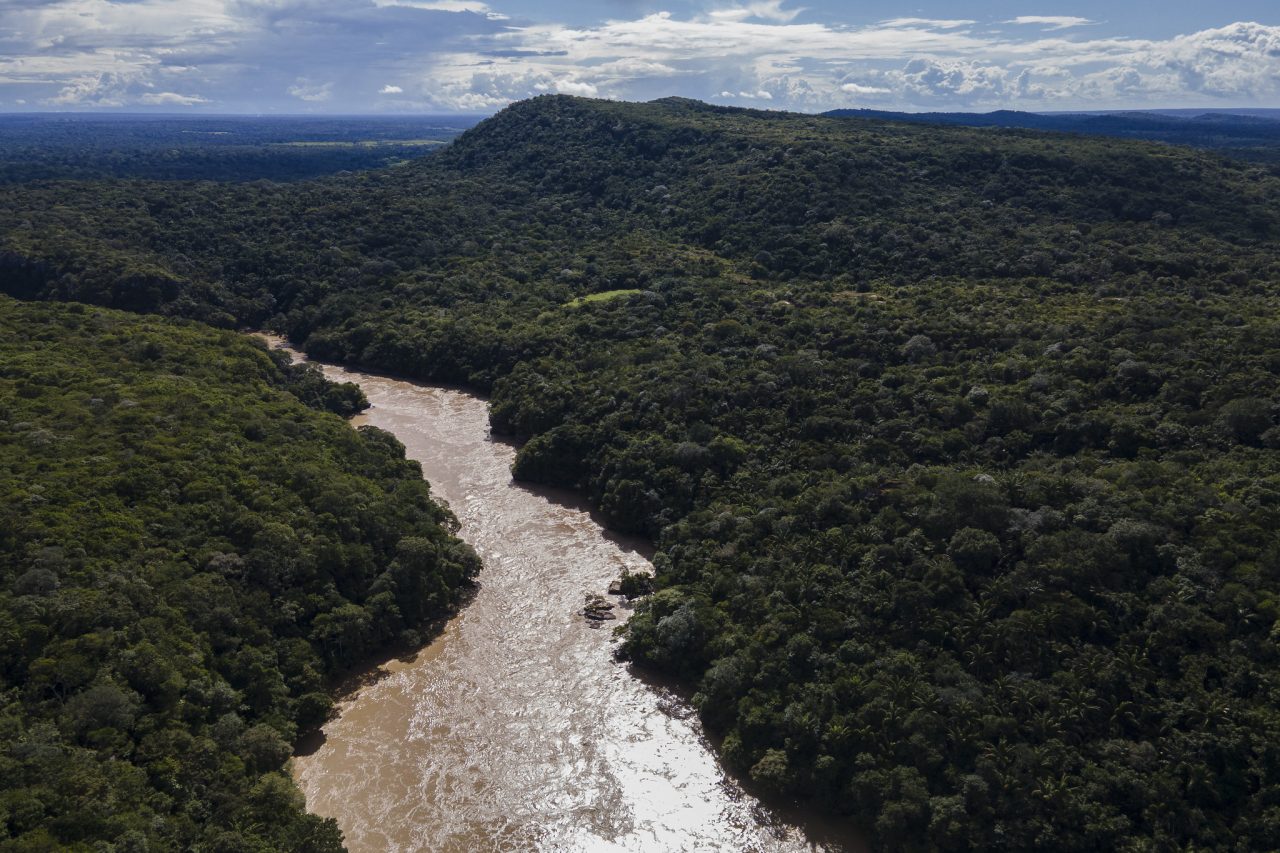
[
  {"x": 959, "y": 449},
  {"x": 189, "y": 554},
  {"x": 1246, "y": 135}
]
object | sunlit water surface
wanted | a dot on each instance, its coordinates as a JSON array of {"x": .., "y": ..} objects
[{"x": 515, "y": 729}]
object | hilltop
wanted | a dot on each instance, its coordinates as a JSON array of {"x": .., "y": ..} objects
[{"x": 776, "y": 195}]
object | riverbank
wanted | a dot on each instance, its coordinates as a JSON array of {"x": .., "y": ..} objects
[{"x": 515, "y": 729}]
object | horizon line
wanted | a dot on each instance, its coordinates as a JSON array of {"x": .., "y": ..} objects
[{"x": 196, "y": 115}]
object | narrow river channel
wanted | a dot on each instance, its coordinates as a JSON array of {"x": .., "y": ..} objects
[{"x": 515, "y": 729}]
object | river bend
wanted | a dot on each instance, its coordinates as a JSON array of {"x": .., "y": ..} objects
[{"x": 515, "y": 729}]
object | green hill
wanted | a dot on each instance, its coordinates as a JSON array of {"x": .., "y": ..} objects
[
  {"x": 959, "y": 449},
  {"x": 188, "y": 554}
]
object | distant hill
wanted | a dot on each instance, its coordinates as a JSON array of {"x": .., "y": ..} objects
[
  {"x": 1252, "y": 134},
  {"x": 1189, "y": 113}
]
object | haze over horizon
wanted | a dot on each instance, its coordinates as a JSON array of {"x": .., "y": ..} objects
[{"x": 465, "y": 56}]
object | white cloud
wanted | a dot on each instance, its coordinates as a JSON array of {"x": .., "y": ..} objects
[
  {"x": 758, "y": 95},
  {"x": 925, "y": 80},
  {"x": 860, "y": 89},
  {"x": 931, "y": 23},
  {"x": 765, "y": 10},
  {"x": 88, "y": 91},
  {"x": 458, "y": 6},
  {"x": 171, "y": 99},
  {"x": 1239, "y": 60},
  {"x": 248, "y": 55},
  {"x": 251, "y": 55},
  {"x": 306, "y": 90},
  {"x": 478, "y": 84},
  {"x": 633, "y": 68},
  {"x": 662, "y": 37},
  {"x": 913, "y": 63},
  {"x": 568, "y": 86},
  {"x": 106, "y": 90},
  {"x": 1051, "y": 22}
]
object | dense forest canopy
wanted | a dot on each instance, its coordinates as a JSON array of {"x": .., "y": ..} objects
[
  {"x": 959, "y": 448},
  {"x": 1249, "y": 134},
  {"x": 188, "y": 553}
]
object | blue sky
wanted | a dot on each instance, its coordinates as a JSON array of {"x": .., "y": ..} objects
[{"x": 374, "y": 56}]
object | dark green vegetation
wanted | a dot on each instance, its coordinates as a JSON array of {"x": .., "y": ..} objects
[
  {"x": 187, "y": 554},
  {"x": 42, "y": 147},
  {"x": 959, "y": 449},
  {"x": 1253, "y": 137}
]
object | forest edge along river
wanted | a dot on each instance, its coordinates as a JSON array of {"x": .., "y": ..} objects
[{"x": 515, "y": 729}]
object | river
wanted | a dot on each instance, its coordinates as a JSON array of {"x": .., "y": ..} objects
[{"x": 515, "y": 729}]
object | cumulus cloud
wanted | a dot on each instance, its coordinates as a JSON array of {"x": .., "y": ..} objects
[
  {"x": 306, "y": 90},
  {"x": 766, "y": 10},
  {"x": 466, "y": 55},
  {"x": 906, "y": 62},
  {"x": 1239, "y": 60},
  {"x": 929, "y": 80},
  {"x": 101, "y": 91},
  {"x": 243, "y": 55}
]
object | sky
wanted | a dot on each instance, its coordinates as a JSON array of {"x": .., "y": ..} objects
[{"x": 468, "y": 56}]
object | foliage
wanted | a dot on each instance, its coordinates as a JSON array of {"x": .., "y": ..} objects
[
  {"x": 606, "y": 296},
  {"x": 1249, "y": 134},
  {"x": 958, "y": 448},
  {"x": 187, "y": 555}
]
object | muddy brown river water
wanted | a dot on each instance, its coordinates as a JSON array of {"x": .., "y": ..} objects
[{"x": 515, "y": 729}]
